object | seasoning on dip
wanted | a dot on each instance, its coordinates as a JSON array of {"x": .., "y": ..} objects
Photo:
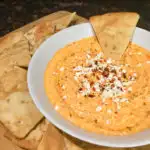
[{"x": 98, "y": 94}]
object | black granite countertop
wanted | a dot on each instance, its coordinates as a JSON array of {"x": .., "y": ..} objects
[{"x": 16, "y": 13}]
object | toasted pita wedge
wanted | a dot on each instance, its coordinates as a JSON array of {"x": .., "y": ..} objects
[
  {"x": 63, "y": 22},
  {"x": 43, "y": 30},
  {"x": 114, "y": 31},
  {"x": 10, "y": 39},
  {"x": 32, "y": 140},
  {"x": 52, "y": 139},
  {"x": 18, "y": 55},
  {"x": 14, "y": 79},
  {"x": 19, "y": 114}
]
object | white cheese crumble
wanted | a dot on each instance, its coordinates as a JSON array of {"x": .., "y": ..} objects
[
  {"x": 139, "y": 65},
  {"x": 96, "y": 86},
  {"x": 56, "y": 107},
  {"x": 109, "y": 60},
  {"x": 139, "y": 53},
  {"x": 62, "y": 69},
  {"x": 135, "y": 74},
  {"x": 109, "y": 111},
  {"x": 148, "y": 62},
  {"x": 107, "y": 121},
  {"x": 88, "y": 56},
  {"x": 75, "y": 78},
  {"x": 130, "y": 89},
  {"x": 124, "y": 71},
  {"x": 54, "y": 73},
  {"x": 64, "y": 97},
  {"x": 98, "y": 108},
  {"x": 63, "y": 87}
]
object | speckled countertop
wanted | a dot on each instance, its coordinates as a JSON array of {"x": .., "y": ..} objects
[{"x": 16, "y": 13}]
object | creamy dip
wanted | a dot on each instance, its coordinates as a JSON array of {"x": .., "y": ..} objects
[{"x": 99, "y": 94}]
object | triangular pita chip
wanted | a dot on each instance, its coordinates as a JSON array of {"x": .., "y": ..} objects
[
  {"x": 32, "y": 140},
  {"x": 52, "y": 140},
  {"x": 14, "y": 79},
  {"x": 114, "y": 31},
  {"x": 17, "y": 55},
  {"x": 19, "y": 114},
  {"x": 10, "y": 39},
  {"x": 43, "y": 30}
]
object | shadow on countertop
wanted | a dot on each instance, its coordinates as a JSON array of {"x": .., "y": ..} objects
[{"x": 16, "y": 13}]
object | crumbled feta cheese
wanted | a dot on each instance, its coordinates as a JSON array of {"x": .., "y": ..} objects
[
  {"x": 56, "y": 107},
  {"x": 124, "y": 71},
  {"x": 134, "y": 74},
  {"x": 109, "y": 111},
  {"x": 64, "y": 97},
  {"x": 139, "y": 65},
  {"x": 110, "y": 77},
  {"x": 148, "y": 62},
  {"x": 63, "y": 87},
  {"x": 88, "y": 56},
  {"x": 139, "y": 53},
  {"x": 123, "y": 100},
  {"x": 54, "y": 73},
  {"x": 130, "y": 89},
  {"x": 96, "y": 86},
  {"x": 62, "y": 69},
  {"x": 127, "y": 65},
  {"x": 98, "y": 56},
  {"x": 107, "y": 121},
  {"x": 76, "y": 78},
  {"x": 78, "y": 68},
  {"x": 109, "y": 60},
  {"x": 86, "y": 84},
  {"x": 98, "y": 108},
  {"x": 117, "y": 83}
]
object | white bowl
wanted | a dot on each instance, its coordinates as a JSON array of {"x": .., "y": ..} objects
[{"x": 36, "y": 87}]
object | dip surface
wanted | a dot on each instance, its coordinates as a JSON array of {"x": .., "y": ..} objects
[{"x": 98, "y": 94}]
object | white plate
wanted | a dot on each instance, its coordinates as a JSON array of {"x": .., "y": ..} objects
[{"x": 36, "y": 86}]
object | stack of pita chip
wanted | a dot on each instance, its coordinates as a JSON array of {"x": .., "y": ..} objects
[{"x": 24, "y": 124}]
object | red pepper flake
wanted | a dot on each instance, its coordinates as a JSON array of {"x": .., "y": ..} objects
[
  {"x": 96, "y": 62},
  {"x": 105, "y": 73},
  {"x": 120, "y": 88},
  {"x": 93, "y": 89},
  {"x": 93, "y": 73},
  {"x": 85, "y": 76},
  {"x": 124, "y": 75},
  {"x": 112, "y": 86},
  {"x": 114, "y": 71},
  {"x": 90, "y": 65},
  {"x": 119, "y": 78},
  {"x": 95, "y": 70},
  {"x": 97, "y": 77},
  {"x": 112, "y": 80},
  {"x": 80, "y": 89},
  {"x": 91, "y": 95},
  {"x": 91, "y": 83}
]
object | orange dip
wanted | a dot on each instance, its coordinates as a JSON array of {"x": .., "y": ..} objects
[{"x": 99, "y": 94}]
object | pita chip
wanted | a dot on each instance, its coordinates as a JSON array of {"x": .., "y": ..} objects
[
  {"x": 64, "y": 22},
  {"x": 14, "y": 79},
  {"x": 10, "y": 39},
  {"x": 52, "y": 139},
  {"x": 19, "y": 114},
  {"x": 32, "y": 140},
  {"x": 114, "y": 31},
  {"x": 43, "y": 30},
  {"x": 18, "y": 54}
]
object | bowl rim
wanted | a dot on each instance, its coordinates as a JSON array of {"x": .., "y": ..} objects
[{"x": 54, "y": 122}]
